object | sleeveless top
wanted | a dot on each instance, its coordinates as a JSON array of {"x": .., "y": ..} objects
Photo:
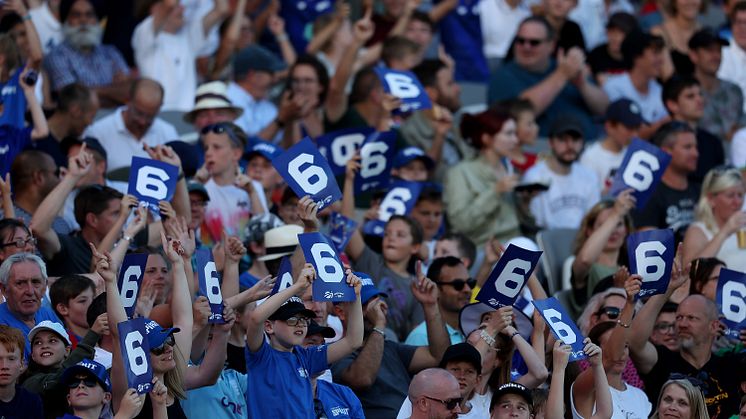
[{"x": 729, "y": 252}]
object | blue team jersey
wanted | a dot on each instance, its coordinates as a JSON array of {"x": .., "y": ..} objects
[
  {"x": 279, "y": 383},
  {"x": 14, "y": 101},
  {"x": 247, "y": 280},
  {"x": 12, "y": 141},
  {"x": 7, "y": 318},
  {"x": 339, "y": 401},
  {"x": 298, "y": 14},
  {"x": 461, "y": 35}
]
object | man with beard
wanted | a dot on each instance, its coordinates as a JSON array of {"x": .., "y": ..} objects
[
  {"x": 431, "y": 129},
  {"x": 82, "y": 58},
  {"x": 696, "y": 327},
  {"x": 573, "y": 189}
]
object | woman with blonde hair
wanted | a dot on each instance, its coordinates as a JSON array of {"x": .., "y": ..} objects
[
  {"x": 680, "y": 398},
  {"x": 719, "y": 217}
]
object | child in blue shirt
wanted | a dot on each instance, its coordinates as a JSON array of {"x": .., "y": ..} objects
[{"x": 280, "y": 371}]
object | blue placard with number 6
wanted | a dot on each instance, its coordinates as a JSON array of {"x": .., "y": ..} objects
[
  {"x": 642, "y": 168},
  {"x": 152, "y": 181},
  {"x": 376, "y": 159},
  {"x": 731, "y": 298},
  {"x": 651, "y": 255},
  {"x": 331, "y": 282},
  {"x": 209, "y": 284},
  {"x": 307, "y": 172},
  {"x": 341, "y": 230},
  {"x": 405, "y": 86},
  {"x": 399, "y": 200},
  {"x": 562, "y": 326},
  {"x": 509, "y": 276},
  {"x": 338, "y": 147},
  {"x": 133, "y": 340},
  {"x": 130, "y": 278}
]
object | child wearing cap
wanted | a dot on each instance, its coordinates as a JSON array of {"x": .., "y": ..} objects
[
  {"x": 412, "y": 164},
  {"x": 51, "y": 354},
  {"x": 15, "y": 401},
  {"x": 280, "y": 370}
]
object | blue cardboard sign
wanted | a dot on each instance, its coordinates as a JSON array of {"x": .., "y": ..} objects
[
  {"x": 642, "y": 168},
  {"x": 330, "y": 283},
  {"x": 133, "y": 340},
  {"x": 405, "y": 86},
  {"x": 130, "y": 278},
  {"x": 509, "y": 276},
  {"x": 562, "y": 326},
  {"x": 399, "y": 200},
  {"x": 209, "y": 284},
  {"x": 307, "y": 172},
  {"x": 341, "y": 230},
  {"x": 339, "y": 147},
  {"x": 376, "y": 159},
  {"x": 731, "y": 298},
  {"x": 152, "y": 181},
  {"x": 284, "y": 276},
  {"x": 651, "y": 255}
]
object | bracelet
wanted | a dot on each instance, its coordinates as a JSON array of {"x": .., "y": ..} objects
[
  {"x": 128, "y": 238},
  {"x": 377, "y": 330},
  {"x": 181, "y": 176},
  {"x": 514, "y": 334},
  {"x": 619, "y": 322},
  {"x": 489, "y": 340}
]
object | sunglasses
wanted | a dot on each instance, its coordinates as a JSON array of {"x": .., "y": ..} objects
[
  {"x": 295, "y": 321},
  {"x": 170, "y": 341},
  {"x": 611, "y": 312},
  {"x": 89, "y": 382},
  {"x": 450, "y": 404},
  {"x": 531, "y": 42},
  {"x": 223, "y": 128},
  {"x": 458, "y": 284}
]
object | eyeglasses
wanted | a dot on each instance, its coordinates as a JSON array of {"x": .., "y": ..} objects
[
  {"x": 20, "y": 243},
  {"x": 223, "y": 128},
  {"x": 89, "y": 382},
  {"x": 531, "y": 42},
  {"x": 170, "y": 341},
  {"x": 664, "y": 327},
  {"x": 611, "y": 312},
  {"x": 450, "y": 404},
  {"x": 458, "y": 284},
  {"x": 295, "y": 321}
]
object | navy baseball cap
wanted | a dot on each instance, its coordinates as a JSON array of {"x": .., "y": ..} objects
[
  {"x": 157, "y": 334},
  {"x": 256, "y": 58},
  {"x": 566, "y": 124},
  {"x": 87, "y": 367},
  {"x": 462, "y": 352},
  {"x": 199, "y": 188},
  {"x": 406, "y": 155},
  {"x": 262, "y": 148},
  {"x": 292, "y": 307},
  {"x": 706, "y": 37},
  {"x": 368, "y": 290},
  {"x": 317, "y": 329},
  {"x": 626, "y": 112}
]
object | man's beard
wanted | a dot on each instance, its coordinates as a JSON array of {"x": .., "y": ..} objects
[{"x": 84, "y": 36}]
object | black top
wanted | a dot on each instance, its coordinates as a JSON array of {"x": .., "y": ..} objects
[
  {"x": 174, "y": 411},
  {"x": 25, "y": 405},
  {"x": 711, "y": 154},
  {"x": 669, "y": 208},
  {"x": 570, "y": 36},
  {"x": 682, "y": 65},
  {"x": 237, "y": 358},
  {"x": 74, "y": 256},
  {"x": 601, "y": 62}
]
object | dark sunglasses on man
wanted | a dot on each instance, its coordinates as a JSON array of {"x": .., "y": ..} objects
[{"x": 458, "y": 284}]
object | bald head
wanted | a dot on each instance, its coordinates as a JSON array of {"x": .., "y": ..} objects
[
  {"x": 700, "y": 303},
  {"x": 431, "y": 381},
  {"x": 147, "y": 90}
]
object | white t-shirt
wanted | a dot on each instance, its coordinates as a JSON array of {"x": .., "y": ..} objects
[
  {"x": 592, "y": 15},
  {"x": 480, "y": 407},
  {"x": 47, "y": 26},
  {"x": 619, "y": 86},
  {"x": 569, "y": 196},
  {"x": 257, "y": 114},
  {"x": 169, "y": 58},
  {"x": 121, "y": 145},
  {"x": 229, "y": 210},
  {"x": 733, "y": 256},
  {"x": 602, "y": 162},
  {"x": 499, "y": 24},
  {"x": 732, "y": 65},
  {"x": 632, "y": 403},
  {"x": 738, "y": 149}
]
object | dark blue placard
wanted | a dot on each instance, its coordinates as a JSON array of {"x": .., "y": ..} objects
[
  {"x": 284, "y": 276},
  {"x": 209, "y": 284},
  {"x": 651, "y": 255},
  {"x": 405, "y": 86},
  {"x": 341, "y": 230},
  {"x": 152, "y": 181},
  {"x": 130, "y": 278},
  {"x": 376, "y": 158},
  {"x": 731, "y": 298},
  {"x": 338, "y": 147},
  {"x": 133, "y": 340},
  {"x": 509, "y": 276},
  {"x": 562, "y": 326},
  {"x": 307, "y": 172},
  {"x": 641, "y": 169},
  {"x": 399, "y": 200},
  {"x": 331, "y": 282}
]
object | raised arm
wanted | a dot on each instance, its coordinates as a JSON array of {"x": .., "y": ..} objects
[
  {"x": 260, "y": 290},
  {"x": 556, "y": 401},
  {"x": 537, "y": 371},
  {"x": 208, "y": 372},
  {"x": 276, "y": 25},
  {"x": 35, "y": 52},
  {"x": 234, "y": 251},
  {"x": 41, "y": 129},
  {"x": 178, "y": 228},
  {"x": 134, "y": 227},
  {"x": 181, "y": 300},
  {"x": 8, "y": 210},
  {"x": 220, "y": 11},
  {"x": 126, "y": 204},
  {"x": 353, "y": 338},
  {"x": 590, "y": 391},
  {"x": 321, "y": 37},
  {"x": 356, "y": 245},
  {"x": 620, "y": 335},
  {"x": 229, "y": 41},
  {"x": 425, "y": 291}
]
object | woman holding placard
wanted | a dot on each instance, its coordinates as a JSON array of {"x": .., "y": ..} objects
[{"x": 720, "y": 227}]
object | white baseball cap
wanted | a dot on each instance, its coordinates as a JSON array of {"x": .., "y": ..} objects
[{"x": 52, "y": 326}]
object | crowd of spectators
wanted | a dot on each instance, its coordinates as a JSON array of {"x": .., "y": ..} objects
[{"x": 534, "y": 105}]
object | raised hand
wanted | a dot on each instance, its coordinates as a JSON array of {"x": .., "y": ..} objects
[
  {"x": 632, "y": 287},
  {"x": 493, "y": 250},
  {"x": 131, "y": 404},
  {"x": 679, "y": 272},
  {"x": 201, "y": 312},
  {"x": 560, "y": 355},
  {"x": 172, "y": 248},
  {"x": 498, "y": 321},
  {"x": 102, "y": 262},
  {"x": 620, "y": 276},
  {"x": 593, "y": 352},
  {"x": 363, "y": 29},
  {"x": 276, "y": 25},
  {"x": 80, "y": 164},
  {"x": 263, "y": 287},
  {"x": 146, "y": 299},
  {"x": 178, "y": 228},
  {"x": 625, "y": 202},
  {"x": 352, "y": 167},
  {"x": 354, "y": 281},
  {"x": 159, "y": 392},
  {"x": 376, "y": 312},
  {"x": 229, "y": 316},
  {"x": 306, "y": 277},
  {"x": 234, "y": 249},
  {"x": 101, "y": 325},
  {"x": 424, "y": 290},
  {"x": 139, "y": 223},
  {"x": 307, "y": 212},
  {"x": 244, "y": 182}
]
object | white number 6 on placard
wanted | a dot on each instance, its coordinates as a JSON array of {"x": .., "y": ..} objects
[
  {"x": 734, "y": 305},
  {"x": 128, "y": 293},
  {"x": 212, "y": 284},
  {"x": 645, "y": 262},
  {"x": 566, "y": 335},
  {"x": 135, "y": 354},
  {"x": 313, "y": 179},
  {"x": 151, "y": 182},
  {"x": 639, "y": 171},
  {"x": 325, "y": 263},
  {"x": 509, "y": 283},
  {"x": 395, "y": 202}
]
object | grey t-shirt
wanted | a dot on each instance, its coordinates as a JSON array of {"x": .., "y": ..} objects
[{"x": 383, "y": 398}]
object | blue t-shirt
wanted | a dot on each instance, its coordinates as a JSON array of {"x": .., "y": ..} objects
[
  {"x": 279, "y": 384},
  {"x": 14, "y": 111},
  {"x": 339, "y": 401},
  {"x": 25, "y": 405},
  {"x": 461, "y": 35},
  {"x": 247, "y": 280},
  {"x": 7, "y": 318},
  {"x": 226, "y": 399},
  {"x": 300, "y": 13},
  {"x": 12, "y": 141}
]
